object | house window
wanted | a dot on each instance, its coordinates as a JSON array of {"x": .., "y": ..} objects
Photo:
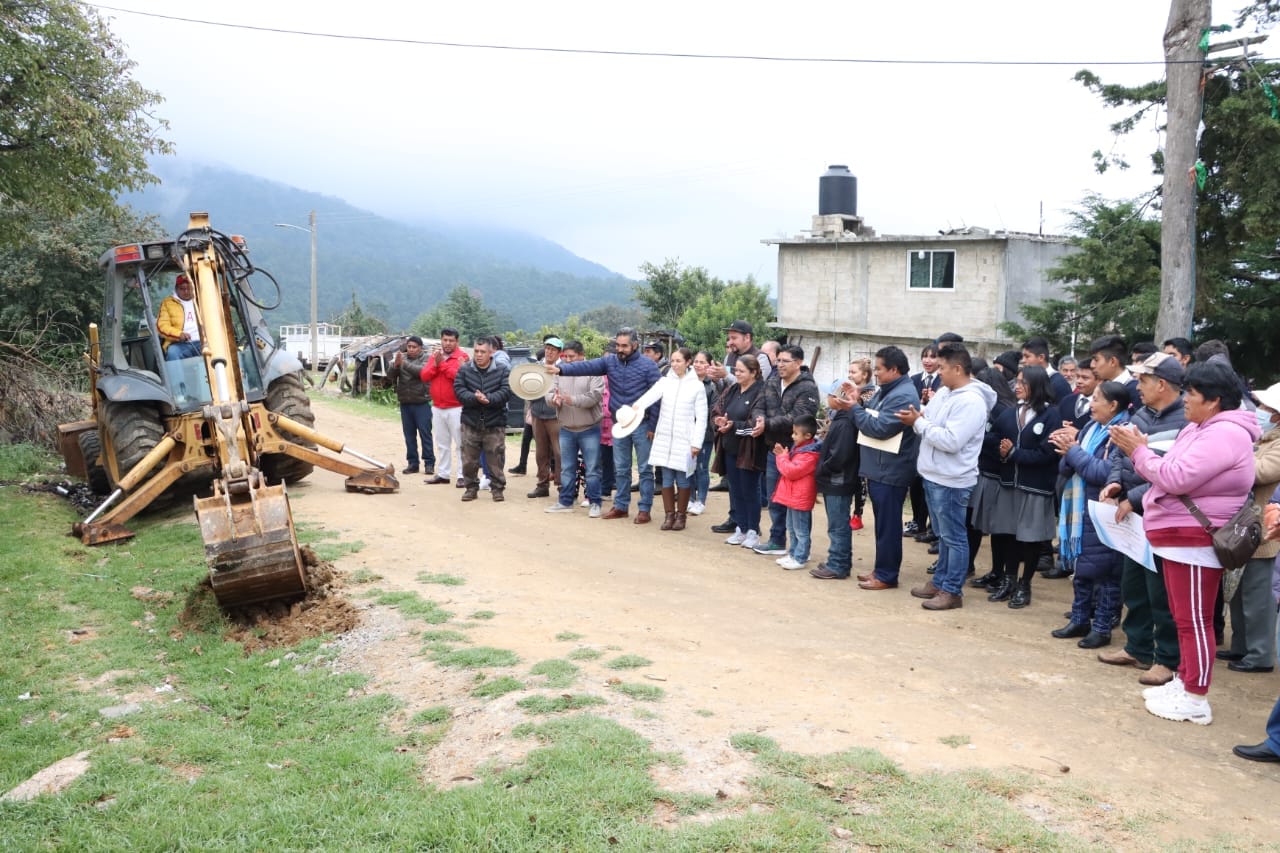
[{"x": 931, "y": 270}]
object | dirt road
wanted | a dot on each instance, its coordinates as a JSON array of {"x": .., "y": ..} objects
[{"x": 819, "y": 666}]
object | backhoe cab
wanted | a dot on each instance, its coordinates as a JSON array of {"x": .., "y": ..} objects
[{"x": 234, "y": 418}]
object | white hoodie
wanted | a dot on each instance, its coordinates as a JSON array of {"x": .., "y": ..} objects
[{"x": 951, "y": 432}]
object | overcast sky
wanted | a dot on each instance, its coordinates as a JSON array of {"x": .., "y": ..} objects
[{"x": 625, "y": 159}]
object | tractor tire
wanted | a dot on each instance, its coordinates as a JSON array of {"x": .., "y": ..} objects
[
  {"x": 95, "y": 474},
  {"x": 135, "y": 429},
  {"x": 286, "y": 396}
]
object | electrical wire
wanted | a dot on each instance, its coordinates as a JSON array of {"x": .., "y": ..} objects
[{"x": 651, "y": 54}]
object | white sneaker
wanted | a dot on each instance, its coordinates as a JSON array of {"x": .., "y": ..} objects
[
  {"x": 737, "y": 538},
  {"x": 751, "y": 540},
  {"x": 484, "y": 484},
  {"x": 1181, "y": 706},
  {"x": 790, "y": 563},
  {"x": 585, "y": 503},
  {"x": 697, "y": 508},
  {"x": 594, "y": 512},
  {"x": 559, "y": 507},
  {"x": 1174, "y": 686}
]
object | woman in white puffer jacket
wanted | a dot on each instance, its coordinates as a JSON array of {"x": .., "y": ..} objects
[{"x": 677, "y": 440}]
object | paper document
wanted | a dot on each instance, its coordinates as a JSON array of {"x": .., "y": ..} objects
[
  {"x": 1126, "y": 536},
  {"x": 889, "y": 445}
]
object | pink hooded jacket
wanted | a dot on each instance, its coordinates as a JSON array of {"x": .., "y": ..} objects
[{"x": 1211, "y": 463}]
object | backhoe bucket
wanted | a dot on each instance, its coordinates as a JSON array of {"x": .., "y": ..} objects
[{"x": 250, "y": 545}]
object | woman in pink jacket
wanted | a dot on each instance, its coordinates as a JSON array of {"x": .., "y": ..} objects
[{"x": 1211, "y": 463}]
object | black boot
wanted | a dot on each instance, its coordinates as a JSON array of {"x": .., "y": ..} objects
[
  {"x": 1021, "y": 595},
  {"x": 1008, "y": 582},
  {"x": 1094, "y": 640},
  {"x": 989, "y": 581},
  {"x": 1071, "y": 629}
]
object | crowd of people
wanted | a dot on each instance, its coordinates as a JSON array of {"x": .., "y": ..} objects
[{"x": 1044, "y": 459}]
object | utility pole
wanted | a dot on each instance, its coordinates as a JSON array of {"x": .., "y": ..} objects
[
  {"x": 315, "y": 321},
  {"x": 1184, "y": 68}
]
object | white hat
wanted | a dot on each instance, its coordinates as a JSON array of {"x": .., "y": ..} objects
[
  {"x": 530, "y": 381},
  {"x": 1269, "y": 397},
  {"x": 625, "y": 421}
]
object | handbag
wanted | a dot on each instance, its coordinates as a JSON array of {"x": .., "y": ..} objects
[{"x": 1235, "y": 541}]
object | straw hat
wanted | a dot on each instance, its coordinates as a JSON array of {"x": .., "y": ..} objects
[
  {"x": 625, "y": 421},
  {"x": 530, "y": 381}
]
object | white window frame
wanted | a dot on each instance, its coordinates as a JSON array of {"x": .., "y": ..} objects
[{"x": 914, "y": 254}]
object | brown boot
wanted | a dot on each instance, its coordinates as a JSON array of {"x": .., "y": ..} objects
[
  {"x": 669, "y": 507},
  {"x": 682, "y": 509}
]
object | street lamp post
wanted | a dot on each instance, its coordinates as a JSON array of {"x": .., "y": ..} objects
[{"x": 315, "y": 322}]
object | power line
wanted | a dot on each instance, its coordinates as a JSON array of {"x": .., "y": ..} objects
[{"x": 655, "y": 54}]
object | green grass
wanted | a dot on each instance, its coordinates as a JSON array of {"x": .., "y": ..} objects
[
  {"x": 363, "y": 576},
  {"x": 628, "y": 662},
  {"x": 954, "y": 741},
  {"x": 431, "y": 716},
  {"x": 583, "y": 653},
  {"x": 500, "y": 686},
  {"x": 443, "y": 580},
  {"x": 482, "y": 614},
  {"x": 559, "y": 673},
  {"x": 413, "y": 606},
  {"x": 642, "y": 692},
  {"x": 20, "y": 461},
  {"x": 556, "y": 704},
  {"x": 477, "y": 658},
  {"x": 568, "y": 636},
  {"x": 243, "y": 756}
]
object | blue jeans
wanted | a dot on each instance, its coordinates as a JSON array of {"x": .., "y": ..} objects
[
  {"x": 639, "y": 442},
  {"x": 779, "y": 522},
  {"x": 948, "y": 507},
  {"x": 799, "y": 524},
  {"x": 702, "y": 474},
  {"x": 840, "y": 552},
  {"x": 744, "y": 494},
  {"x": 587, "y": 442},
  {"x": 674, "y": 477},
  {"x": 886, "y": 503},
  {"x": 415, "y": 420},
  {"x": 182, "y": 349}
]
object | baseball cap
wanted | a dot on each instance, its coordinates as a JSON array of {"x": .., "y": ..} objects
[
  {"x": 742, "y": 327},
  {"x": 553, "y": 342},
  {"x": 1162, "y": 366},
  {"x": 654, "y": 345}
]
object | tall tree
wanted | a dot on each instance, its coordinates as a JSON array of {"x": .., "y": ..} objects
[
  {"x": 1237, "y": 225},
  {"x": 51, "y": 280},
  {"x": 461, "y": 310},
  {"x": 1114, "y": 279},
  {"x": 359, "y": 321},
  {"x": 704, "y": 322},
  {"x": 670, "y": 289},
  {"x": 75, "y": 130}
]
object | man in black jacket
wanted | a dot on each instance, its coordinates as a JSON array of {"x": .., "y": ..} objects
[
  {"x": 481, "y": 387},
  {"x": 415, "y": 405},
  {"x": 789, "y": 393}
]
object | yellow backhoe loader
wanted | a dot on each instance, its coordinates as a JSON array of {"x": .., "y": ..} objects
[{"x": 232, "y": 416}]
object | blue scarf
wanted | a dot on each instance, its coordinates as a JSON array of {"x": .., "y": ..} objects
[{"x": 1071, "y": 517}]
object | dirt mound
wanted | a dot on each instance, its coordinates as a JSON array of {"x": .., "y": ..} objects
[{"x": 324, "y": 610}]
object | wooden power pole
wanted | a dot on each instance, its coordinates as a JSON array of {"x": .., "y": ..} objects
[{"x": 1184, "y": 65}]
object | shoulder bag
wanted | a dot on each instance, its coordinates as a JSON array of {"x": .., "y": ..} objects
[{"x": 1235, "y": 541}]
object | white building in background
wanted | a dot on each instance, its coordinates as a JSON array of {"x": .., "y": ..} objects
[{"x": 844, "y": 291}]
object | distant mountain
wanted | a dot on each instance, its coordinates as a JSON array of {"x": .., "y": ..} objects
[{"x": 396, "y": 270}]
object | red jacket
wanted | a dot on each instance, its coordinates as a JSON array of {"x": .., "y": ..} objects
[
  {"x": 797, "y": 483},
  {"x": 440, "y": 378}
]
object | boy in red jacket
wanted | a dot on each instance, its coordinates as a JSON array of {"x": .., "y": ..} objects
[{"x": 798, "y": 488}]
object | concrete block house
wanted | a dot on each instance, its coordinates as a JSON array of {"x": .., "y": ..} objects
[{"x": 844, "y": 291}]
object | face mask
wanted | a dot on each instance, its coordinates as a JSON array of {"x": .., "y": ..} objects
[{"x": 1264, "y": 421}]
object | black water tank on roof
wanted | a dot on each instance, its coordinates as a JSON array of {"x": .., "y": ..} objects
[{"x": 838, "y": 192}]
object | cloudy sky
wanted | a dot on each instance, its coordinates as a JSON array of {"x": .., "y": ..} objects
[{"x": 624, "y": 159}]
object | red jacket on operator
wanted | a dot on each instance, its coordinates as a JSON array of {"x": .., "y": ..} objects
[{"x": 439, "y": 378}]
